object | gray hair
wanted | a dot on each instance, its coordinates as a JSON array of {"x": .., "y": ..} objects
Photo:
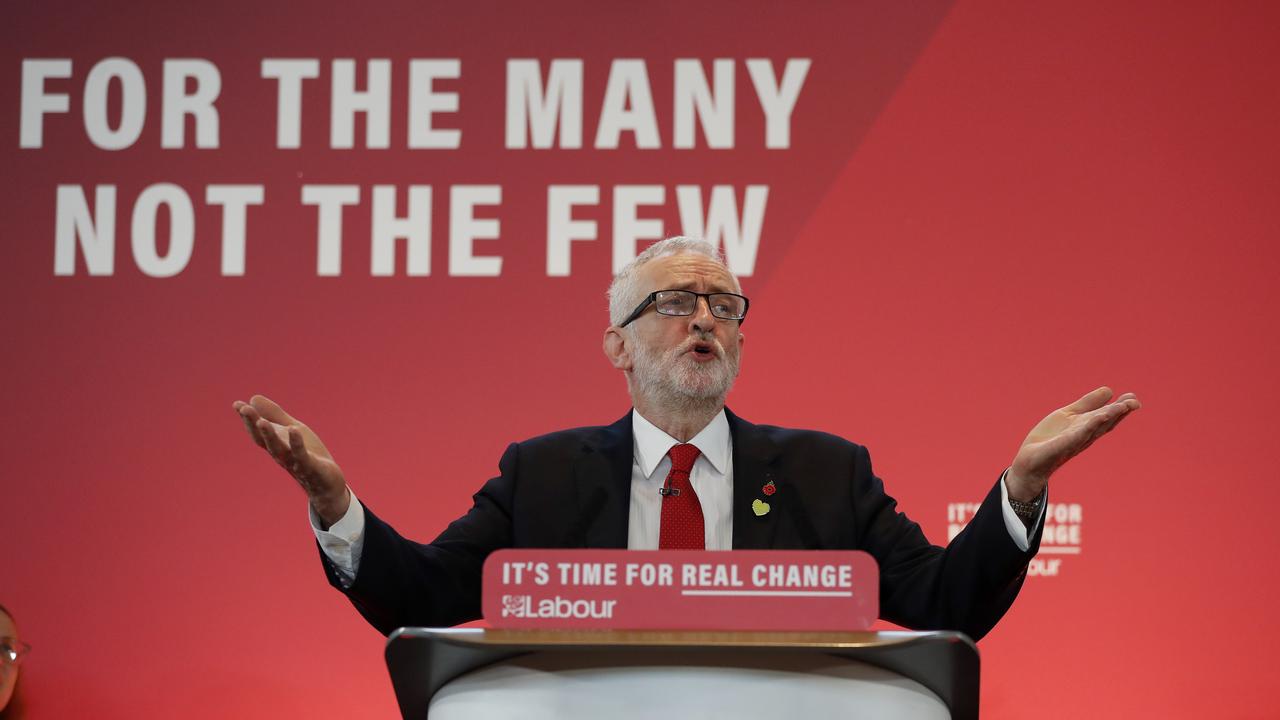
[{"x": 625, "y": 291}]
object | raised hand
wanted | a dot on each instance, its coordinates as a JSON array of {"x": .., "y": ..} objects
[
  {"x": 1063, "y": 434},
  {"x": 300, "y": 452}
]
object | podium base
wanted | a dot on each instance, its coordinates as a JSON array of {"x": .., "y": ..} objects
[{"x": 664, "y": 683}]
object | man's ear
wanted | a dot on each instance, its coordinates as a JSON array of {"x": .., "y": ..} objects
[{"x": 615, "y": 348}]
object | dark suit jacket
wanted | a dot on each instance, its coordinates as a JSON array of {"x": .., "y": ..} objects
[{"x": 571, "y": 489}]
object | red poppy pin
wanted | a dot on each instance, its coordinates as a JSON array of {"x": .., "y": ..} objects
[{"x": 769, "y": 488}]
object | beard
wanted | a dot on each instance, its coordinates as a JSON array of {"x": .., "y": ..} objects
[{"x": 674, "y": 378}]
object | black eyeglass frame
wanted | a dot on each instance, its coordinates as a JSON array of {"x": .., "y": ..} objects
[{"x": 653, "y": 297}]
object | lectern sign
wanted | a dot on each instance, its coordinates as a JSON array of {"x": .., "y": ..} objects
[{"x": 681, "y": 589}]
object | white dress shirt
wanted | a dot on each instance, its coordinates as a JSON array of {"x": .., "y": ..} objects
[{"x": 711, "y": 477}]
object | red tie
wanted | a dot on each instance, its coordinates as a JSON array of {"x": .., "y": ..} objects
[{"x": 681, "y": 526}]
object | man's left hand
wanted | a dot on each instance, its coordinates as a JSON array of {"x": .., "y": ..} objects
[{"x": 1062, "y": 435}]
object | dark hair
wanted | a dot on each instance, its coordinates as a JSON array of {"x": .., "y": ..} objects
[{"x": 14, "y": 710}]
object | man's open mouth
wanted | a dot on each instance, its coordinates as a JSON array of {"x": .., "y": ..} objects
[{"x": 703, "y": 349}]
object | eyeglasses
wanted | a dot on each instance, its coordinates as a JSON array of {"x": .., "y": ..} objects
[
  {"x": 726, "y": 306},
  {"x": 12, "y": 651}
]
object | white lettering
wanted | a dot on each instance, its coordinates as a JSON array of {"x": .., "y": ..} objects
[
  {"x": 177, "y": 104},
  {"x": 961, "y": 512},
  {"x": 1064, "y": 513},
  {"x": 415, "y": 228},
  {"x": 648, "y": 574},
  {"x": 588, "y": 573},
  {"x": 710, "y": 575},
  {"x": 739, "y": 235},
  {"x": 559, "y": 607},
  {"x": 132, "y": 108},
  {"x": 374, "y": 102},
  {"x": 1061, "y": 534},
  {"x": 465, "y": 229},
  {"x": 628, "y": 106},
  {"x": 329, "y": 200},
  {"x": 96, "y": 231},
  {"x": 628, "y": 229},
  {"x": 234, "y": 200},
  {"x": 289, "y": 75},
  {"x": 1043, "y": 567},
  {"x": 714, "y": 109},
  {"x": 36, "y": 103},
  {"x": 424, "y": 103},
  {"x": 182, "y": 232},
  {"x": 802, "y": 576},
  {"x": 562, "y": 229},
  {"x": 533, "y": 111},
  {"x": 778, "y": 100}
]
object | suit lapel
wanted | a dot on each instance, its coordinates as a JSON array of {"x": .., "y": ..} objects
[
  {"x": 602, "y": 480},
  {"x": 754, "y": 466}
]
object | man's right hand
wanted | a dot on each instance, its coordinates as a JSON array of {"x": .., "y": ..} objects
[{"x": 299, "y": 451}]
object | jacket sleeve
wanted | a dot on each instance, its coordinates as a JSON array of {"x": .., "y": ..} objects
[
  {"x": 403, "y": 583},
  {"x": 967, "y": 586}
]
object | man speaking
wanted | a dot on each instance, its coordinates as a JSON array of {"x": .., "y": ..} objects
[{"x": 681, "y": 471}]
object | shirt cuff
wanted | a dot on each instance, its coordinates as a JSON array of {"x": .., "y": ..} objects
[
  {"x": 1018, "y": 530},
  {"x": 343, "y": 541}
]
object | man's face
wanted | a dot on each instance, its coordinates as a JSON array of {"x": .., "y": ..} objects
[{"x": 691, "y": 357}]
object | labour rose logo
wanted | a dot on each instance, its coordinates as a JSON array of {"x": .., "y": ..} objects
[{"x": 515, "y": 605}]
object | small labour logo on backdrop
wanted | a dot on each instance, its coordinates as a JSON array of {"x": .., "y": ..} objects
[{"x": 1060, "y": 541}]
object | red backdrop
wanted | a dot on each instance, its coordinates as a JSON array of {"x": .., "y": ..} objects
[{"x": 984, "y": 210}]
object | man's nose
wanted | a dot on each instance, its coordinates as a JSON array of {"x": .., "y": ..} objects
[{"x": 702, "y": 320}]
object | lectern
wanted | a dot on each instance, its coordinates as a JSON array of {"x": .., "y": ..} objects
[{"x": 567, "y": 674}]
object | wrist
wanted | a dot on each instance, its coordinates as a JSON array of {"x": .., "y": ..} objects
[
  {"x": 330, "y": 508},
  {"x": 1023, "y": 489}
]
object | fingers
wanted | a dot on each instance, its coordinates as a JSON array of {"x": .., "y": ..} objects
[
  {"x": 274, "y": 443},
  {"x": 286, "y": 443},
  {"x": 1103, "y": 421},
  {"x": 1044, "y": 452},
  {"x": 1097, "y": 421},
  {"x": 1116, "y": 412},
  {"x": 1091, "y": 401},
  {"x": 1130, "y": 400},
  {"x": 270, "y": 410},
  {"x": 249, "y": 417},
  {"x": 1114, "y": 423},
  {"x": 1087, "y": 429},
  {"x": 274, "y": 430},
  {"x": 298, "y": 448},
  {"x": 1123, "y": 405},
  {"x": 1099, "y": 398}
]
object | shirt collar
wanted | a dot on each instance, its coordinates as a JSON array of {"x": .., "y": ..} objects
[{"x": 652, "y": 444}]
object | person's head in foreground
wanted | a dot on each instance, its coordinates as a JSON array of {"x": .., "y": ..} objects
[{"x": 12, "y": 650}]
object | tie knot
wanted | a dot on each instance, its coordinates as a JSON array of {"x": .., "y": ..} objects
[{"x": 682, "y": 457}]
